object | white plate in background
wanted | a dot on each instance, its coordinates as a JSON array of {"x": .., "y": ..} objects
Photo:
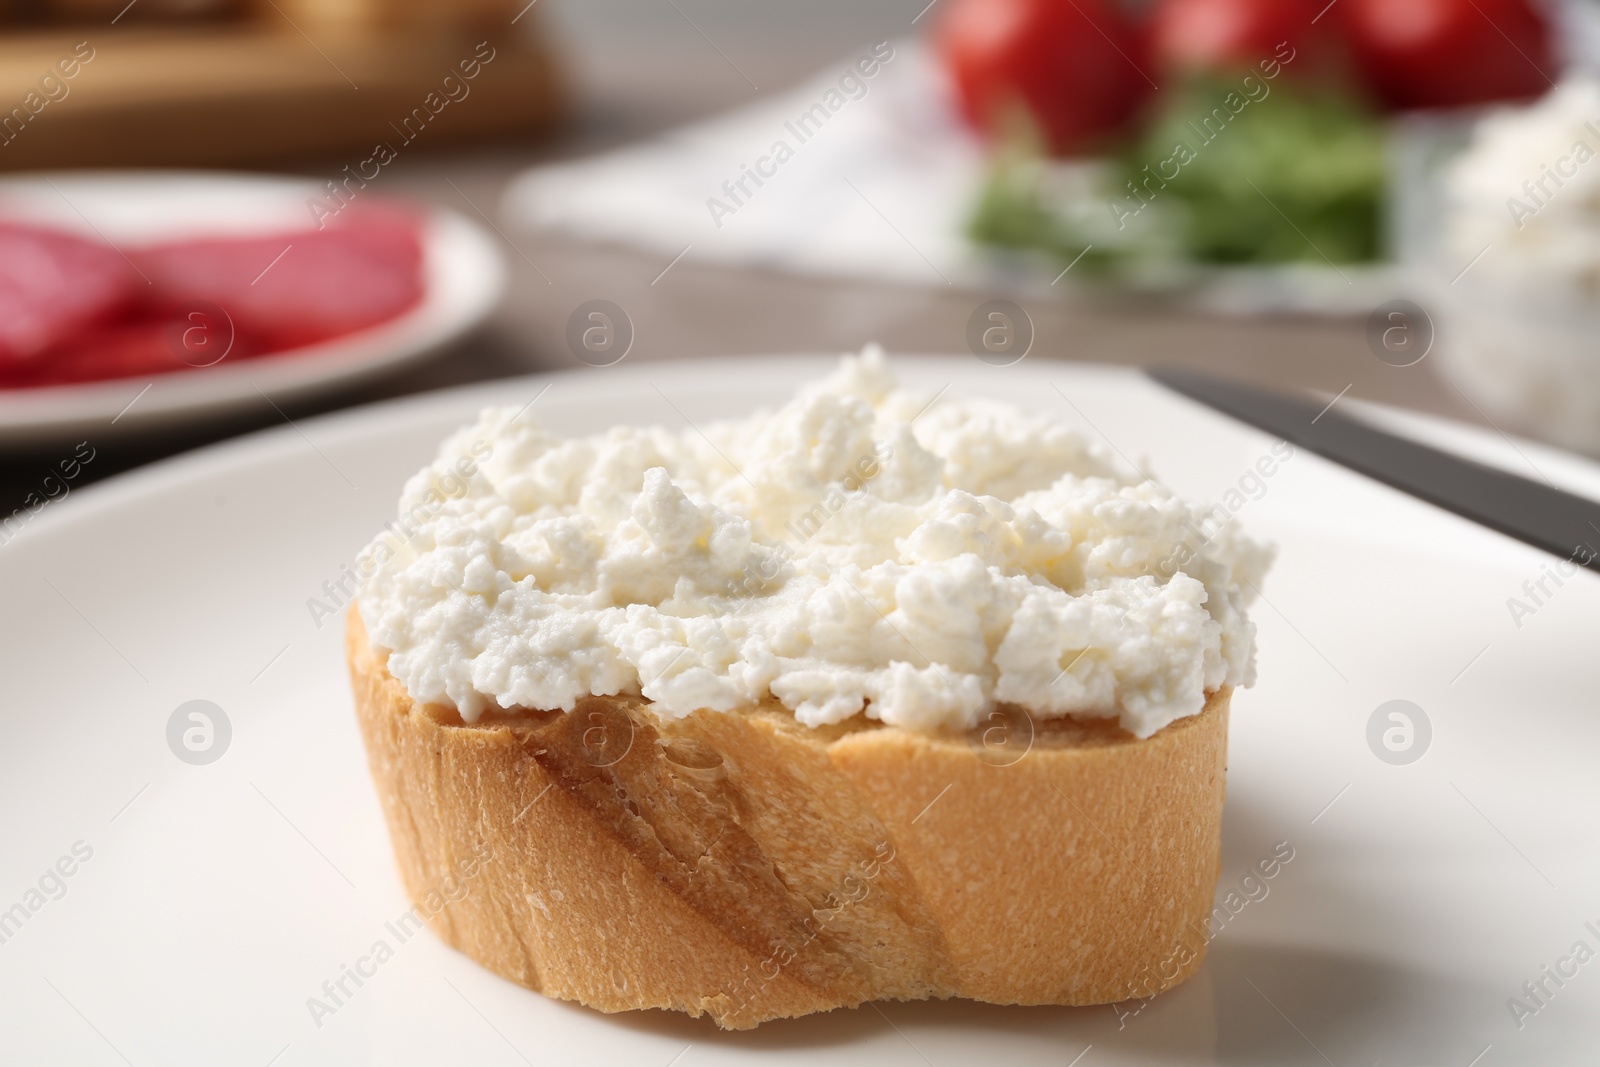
[
  {"x": 464, "y": 275},
  {"x": 219, "y": 898}
]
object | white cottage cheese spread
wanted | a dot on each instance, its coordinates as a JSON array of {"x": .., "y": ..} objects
[
  {"x": 1517, "y": 281},
  {"x": 1528, "y": 190},
  {"x": 857, "y": 551}
]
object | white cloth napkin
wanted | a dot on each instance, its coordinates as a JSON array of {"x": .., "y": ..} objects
[{"x": 880, "y": 187}]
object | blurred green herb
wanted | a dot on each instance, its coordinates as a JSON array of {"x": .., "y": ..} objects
[
  {"x": 1290, "y": 174},
  {"x": 1011, "y": 213}
]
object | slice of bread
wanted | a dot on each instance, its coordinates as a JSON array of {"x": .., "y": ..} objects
[{"x": 748, "y": 867}]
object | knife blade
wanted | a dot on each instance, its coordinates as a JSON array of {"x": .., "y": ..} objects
[{"x": 1561, "y": 523}]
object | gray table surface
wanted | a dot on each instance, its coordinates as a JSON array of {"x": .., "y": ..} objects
[{"x": 639, "y": 66}]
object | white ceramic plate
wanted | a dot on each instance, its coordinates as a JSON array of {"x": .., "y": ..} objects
[
  {"x": 464, "y": 276},
  {"x": 219, "y": 898}
]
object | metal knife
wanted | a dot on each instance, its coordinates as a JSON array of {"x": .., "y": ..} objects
[{"x": 1543, "y": 516}]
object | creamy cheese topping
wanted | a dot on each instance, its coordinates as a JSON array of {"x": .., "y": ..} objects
[{"x": 861, "y": 550}]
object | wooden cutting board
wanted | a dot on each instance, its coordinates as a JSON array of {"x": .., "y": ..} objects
[{"x": 258, "y": 91}]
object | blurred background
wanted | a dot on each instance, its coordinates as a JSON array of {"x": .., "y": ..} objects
[{"x": 220, "y": 215}]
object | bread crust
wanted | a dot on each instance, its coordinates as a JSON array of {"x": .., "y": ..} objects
[{"x": 748, "y": 867}]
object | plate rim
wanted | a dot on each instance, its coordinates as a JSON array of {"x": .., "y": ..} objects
[{"x": 356, "y": 419}]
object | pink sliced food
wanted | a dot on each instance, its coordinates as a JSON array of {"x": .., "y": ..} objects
[
  {"x": 54, "y": 285},
  {"x": 77, "y": 311},
  {"x": 292, "y": 289}
]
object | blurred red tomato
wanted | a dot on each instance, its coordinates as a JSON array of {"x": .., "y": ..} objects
[
  {"x": 1075, "y": 66},
  {"x": 1449, "y": 53},
  {"x": 1212, "y": 35}
]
